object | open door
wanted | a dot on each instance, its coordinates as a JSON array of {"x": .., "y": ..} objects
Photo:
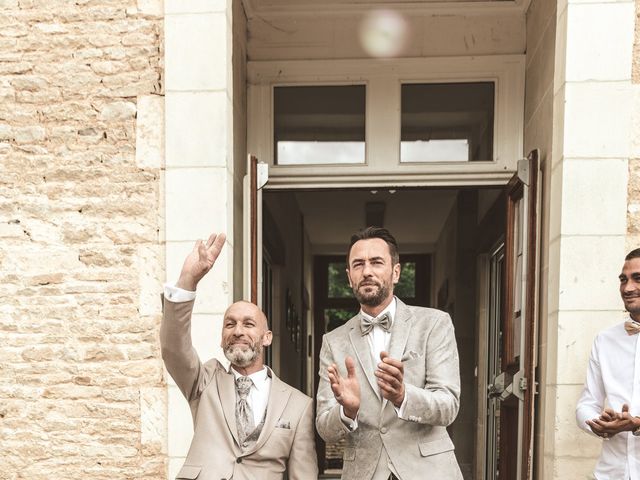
[
  {"x": 511, "y": 391},
  {"x": 256, "y": 178}
]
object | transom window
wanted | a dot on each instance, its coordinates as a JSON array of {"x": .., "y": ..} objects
[
  {"x": 319, "y": 125},
  {"x": 408, "y": 121},
  {"x": 447, "y": 122}
]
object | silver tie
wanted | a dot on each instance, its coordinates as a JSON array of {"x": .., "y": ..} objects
[{"x": 244, "y": 413}]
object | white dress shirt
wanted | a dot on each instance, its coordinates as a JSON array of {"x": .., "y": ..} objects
[
  {"x": 613, "y": 378},
  {"x": 259, "y": 393},
  {"x": 377, "y": 337},
  {"x": 378, "y": 342}
]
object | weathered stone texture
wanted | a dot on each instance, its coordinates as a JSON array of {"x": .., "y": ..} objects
[
  {"x": 633, "y": 208},
  {"x": 81, "y": 389},
  {"x": 635, "y": 69}
]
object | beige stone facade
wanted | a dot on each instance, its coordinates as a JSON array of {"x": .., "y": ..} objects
[
  {"x": 633, "y": 211},
  {"x": 81, "y": 387}
]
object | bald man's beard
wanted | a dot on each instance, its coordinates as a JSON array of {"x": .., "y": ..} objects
[{"x": 241, "y": 354}]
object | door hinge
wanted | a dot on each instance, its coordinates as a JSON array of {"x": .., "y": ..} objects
[
  {"x": 263, "y": 175},
  {"x": 523, "y": 170},
  {"x": 523, "y": 384},
  {"x": 521, "y": 381}
]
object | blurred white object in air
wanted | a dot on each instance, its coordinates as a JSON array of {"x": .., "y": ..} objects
[{"x": 383, "y": 33}]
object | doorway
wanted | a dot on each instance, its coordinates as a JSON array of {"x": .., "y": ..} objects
[{"x": 441, "y": 234}]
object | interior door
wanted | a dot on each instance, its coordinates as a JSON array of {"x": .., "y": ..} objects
[{"x": 512, "y": 389}]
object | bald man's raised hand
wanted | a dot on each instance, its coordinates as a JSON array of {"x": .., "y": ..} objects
[{"x": 200, "y": 260}]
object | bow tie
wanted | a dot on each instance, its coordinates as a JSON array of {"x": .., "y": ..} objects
[
  {"x": 632, "y": 327},
  {"x": 383, "y": 321}
]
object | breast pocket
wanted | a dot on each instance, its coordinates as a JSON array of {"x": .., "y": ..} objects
[
  {"x": 281, "y": 438},
  {"x": 434, "y": 447},
  {"x": 188, "y": 472}
]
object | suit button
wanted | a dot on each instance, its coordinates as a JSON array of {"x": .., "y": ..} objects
[
  {"x": 383, "y": 430},
  {"x": 239, "y": 460}
]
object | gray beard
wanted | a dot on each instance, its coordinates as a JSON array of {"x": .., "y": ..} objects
[{"x": 241, "y": 357}]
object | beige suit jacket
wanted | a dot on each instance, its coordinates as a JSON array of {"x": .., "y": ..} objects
[
  {"x": 418, "y": 444},
  {"x": 287, "y": 439}
]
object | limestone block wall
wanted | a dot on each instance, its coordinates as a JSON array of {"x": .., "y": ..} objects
[
  {"x": 81, "y": 386},
  {"x": 633, "y": 210}
]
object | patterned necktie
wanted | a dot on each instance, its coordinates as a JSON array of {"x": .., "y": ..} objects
[
  {"x": 632, "y": 327},
  {"x": 383, "y": 321},
  {"x": 244, "y": 413}
]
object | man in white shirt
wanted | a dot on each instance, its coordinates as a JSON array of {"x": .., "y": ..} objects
[
  {"x": 613, "y": 378},
  {"x": 248, "y": 424},
  {"x": 389, "y": 377}
]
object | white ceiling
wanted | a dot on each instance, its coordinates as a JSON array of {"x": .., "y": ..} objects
[
  {"x": 414, "y": 217},
  {"x": 268, "y": 4}
]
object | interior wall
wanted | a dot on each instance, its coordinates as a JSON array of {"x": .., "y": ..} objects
[
  {"x": 464, "y": 315},
  {"x": 307, "y": 275},
  {"x": 444, "y": 261},
  {"x": 451, "y": 294},
  {"x": 284, "y": 212}
]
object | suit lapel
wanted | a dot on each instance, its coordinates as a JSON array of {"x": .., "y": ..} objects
[
  {"x": 278, "y": 397},
  {"x": 227, "y": 392},
  {"x": 400, "y": 330},
  {"x": 363, "y": 353}
]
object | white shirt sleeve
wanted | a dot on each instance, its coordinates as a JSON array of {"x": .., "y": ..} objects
[
  {"x": 177, "y": 295},
  {"x": 401, "y": 411},
  {"x": 351, "y": 424},
  {"x": 593, "y": 395}
]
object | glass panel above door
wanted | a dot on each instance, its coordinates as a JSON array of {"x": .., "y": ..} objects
[
  {"x": 447, "y": 122},
  {"x": 319, "y": 125}
]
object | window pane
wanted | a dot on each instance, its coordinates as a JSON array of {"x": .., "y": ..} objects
[
  {"x": 338, "y": 282},
  {"x": 335, "y": 317},
  {"x": 406, "y": 287},
  {"x": 447, "y": 122},
  {"x": 319, "y": 125}
]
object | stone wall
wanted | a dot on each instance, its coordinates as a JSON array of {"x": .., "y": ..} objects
[
  {"x": 633, "y": 210},
  {"x": 81, "y": 387}
]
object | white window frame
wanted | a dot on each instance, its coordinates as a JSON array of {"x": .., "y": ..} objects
[{"x": 383, "y": 79}]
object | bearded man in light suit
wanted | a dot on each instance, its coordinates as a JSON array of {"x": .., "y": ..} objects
[
  {"x": 389, "y": 377},
  {"x": 248, "y": 424}
]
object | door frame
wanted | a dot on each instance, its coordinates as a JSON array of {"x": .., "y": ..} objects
[{"x": 313, "y": 339}]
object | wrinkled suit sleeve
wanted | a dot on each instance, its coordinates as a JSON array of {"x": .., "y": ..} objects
[
  {"x": 180, "y": 358},
  {"x": 328, "y": 422},
  {"x": 439, "y": 401}
]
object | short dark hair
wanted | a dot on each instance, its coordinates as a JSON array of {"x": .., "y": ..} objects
[
  {"x": 376, "y": 232},
  {"x": 632, "y": 254}
]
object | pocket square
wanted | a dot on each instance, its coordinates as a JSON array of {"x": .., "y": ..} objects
[
  {"x": 283, "y": 424},
  {"x": 410, "y": 355}
]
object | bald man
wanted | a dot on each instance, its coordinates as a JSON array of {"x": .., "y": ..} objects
[{"x": 248, "y": 424}]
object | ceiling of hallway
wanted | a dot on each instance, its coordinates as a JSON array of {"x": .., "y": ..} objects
[
  {"x": 258, "y": 4},
  {"x": 414, "y": 217}
]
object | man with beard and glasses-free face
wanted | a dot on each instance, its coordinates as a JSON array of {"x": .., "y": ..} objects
[
  {"x": 610, "y": 403},
  {"x": 248, "y": 424},
  {"x": 389, "y": 377}
]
